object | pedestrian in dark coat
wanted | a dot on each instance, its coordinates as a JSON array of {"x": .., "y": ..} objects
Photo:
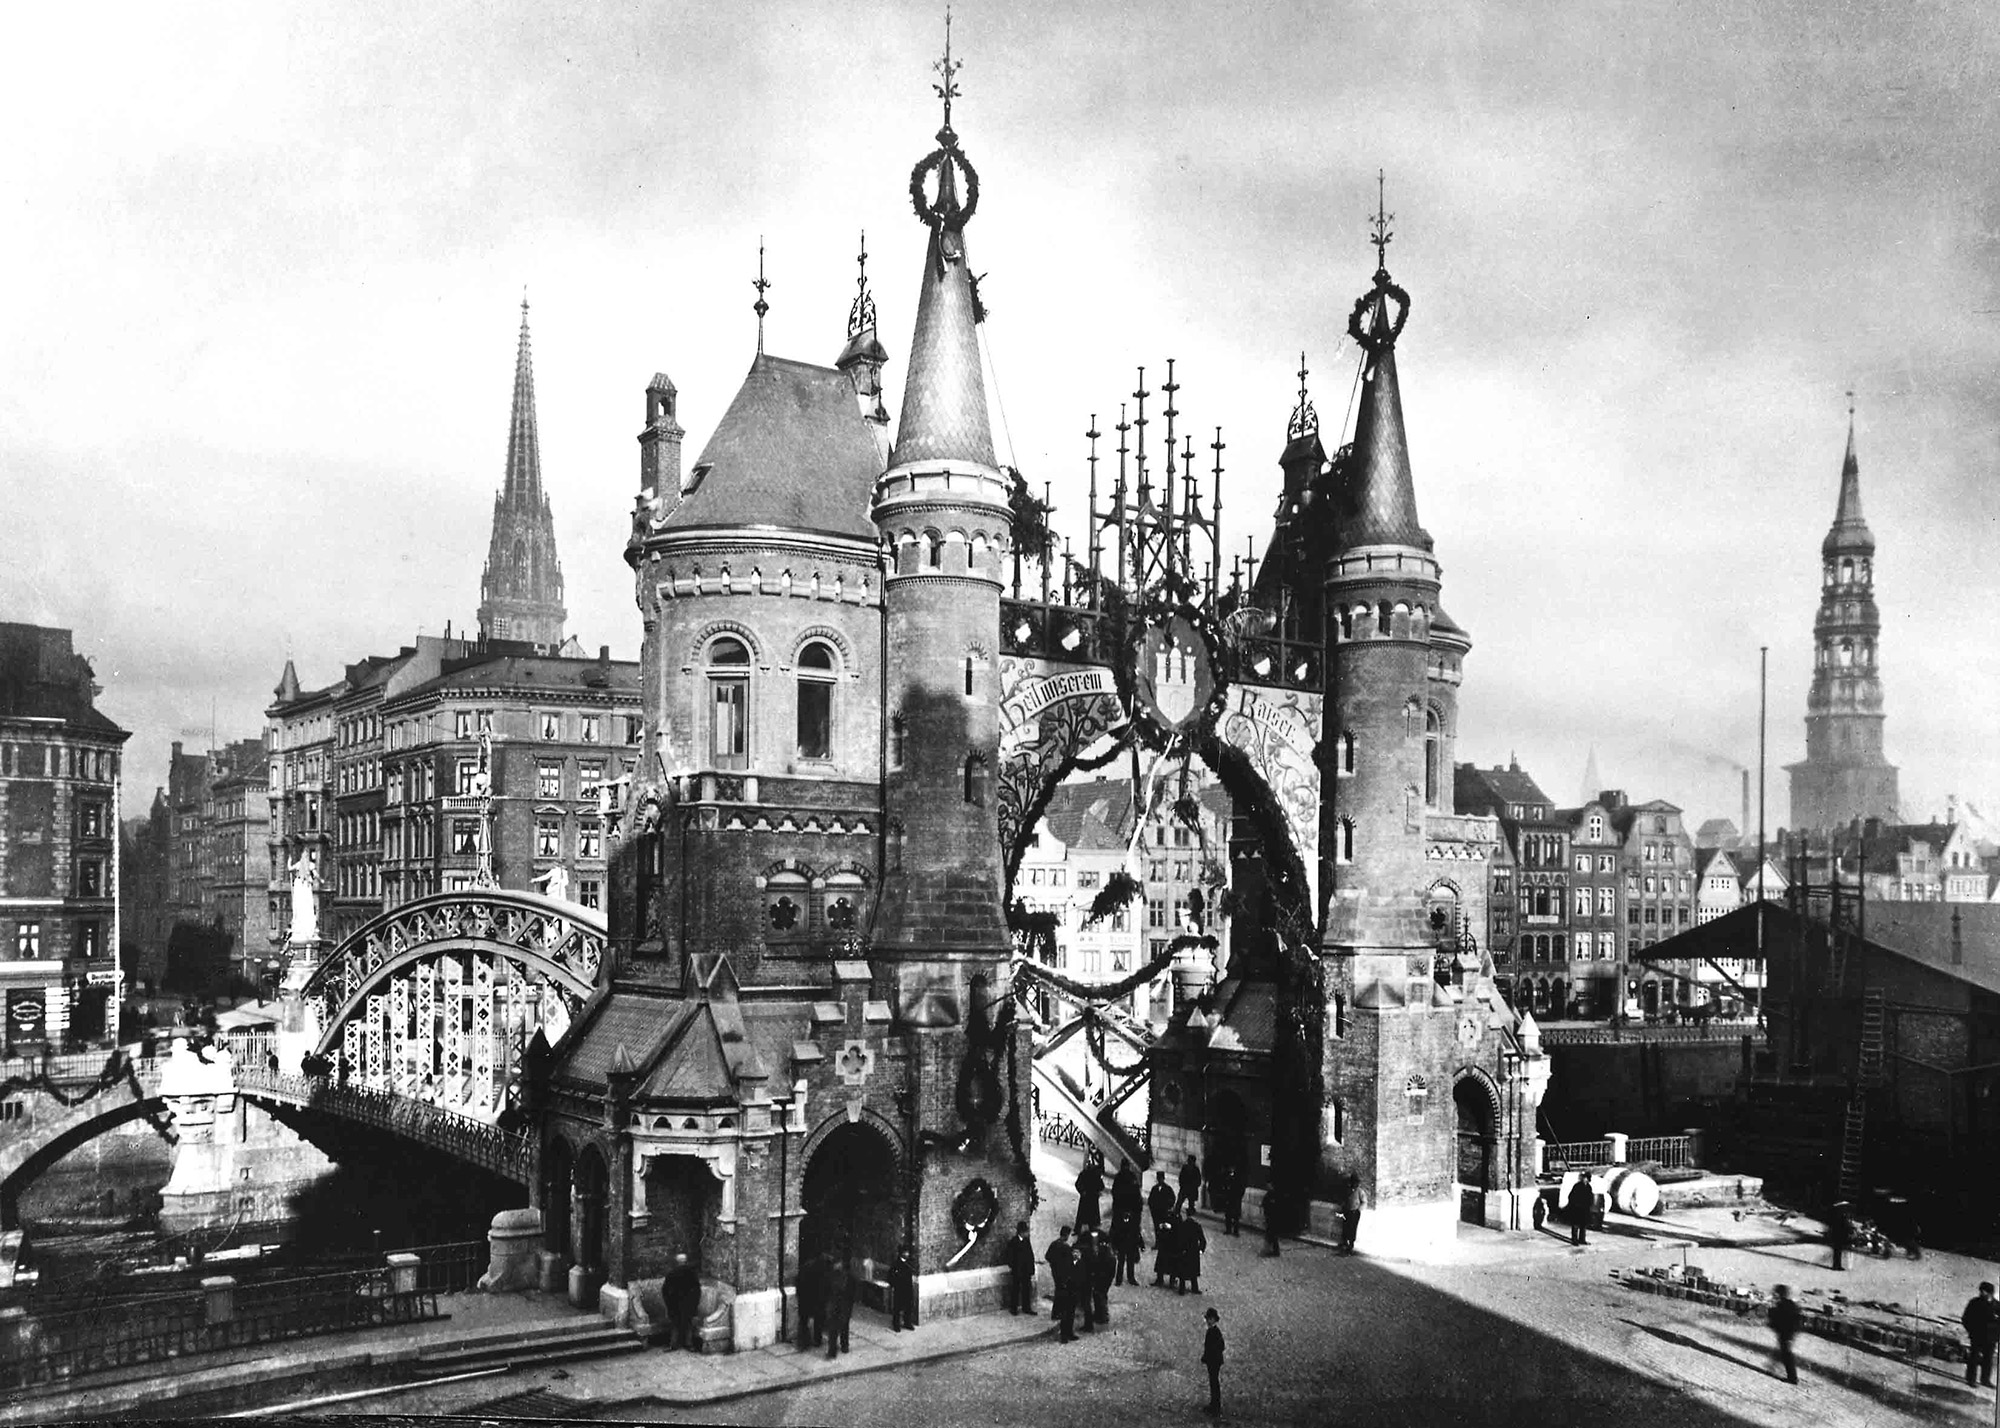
[
  {"x": 1125, "y": 1245},
  {"x": 1982, "y": 1330},
  {"x": 1225, "y": 1190},
  {"x": 1089, "y": 1185},
  {"x": 1578, "y": 1207},
  {"x": 1021, "y": 1262},
  {"x": 903, "y": 1291},
  {"x": 812, "y": 1301},
  {"x": 1190, "y": 1185},
  {"x": 1103, "y": 1269},
  {"x": 1839, "y": 1234},
  {"x": 1062, "y": 1271},
  {"x": 681, "y": 1291},
  {"x": 1211, "y": 1358},
  {"x": 839, "y": 1301},
  {"x": 1350, "y": 1219},
  {"x": 1167, "y": 1251},
  {"x": 1194, "y": 1239},
  {"x": 1126, "y": 1192},
  {"x": 1784, "y": 1319},
  {"x": 1086, "y": 1263},
  {"x": 1160, "y": 1202}
]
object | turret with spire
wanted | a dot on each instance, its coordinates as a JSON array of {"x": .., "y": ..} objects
[
  {"x": 1394, "y": 662},
  {"x": 942, "y": 508},
  {"x": 1845, "y": 775},
  {"x": 521, "y": 592}
]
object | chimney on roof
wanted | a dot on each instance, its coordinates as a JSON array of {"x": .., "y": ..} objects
[
  {"x": 604, "y": 654},
  {"x": 1871, "y": 829}
]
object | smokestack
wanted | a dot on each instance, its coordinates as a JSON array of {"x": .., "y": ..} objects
[{"x": 1744, "y": 826}]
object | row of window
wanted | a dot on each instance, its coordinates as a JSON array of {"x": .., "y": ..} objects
[
  {"x": 728, "y": 674},
  {"x": 28, "y": 941},
  {"x": 58, "y": 761}
]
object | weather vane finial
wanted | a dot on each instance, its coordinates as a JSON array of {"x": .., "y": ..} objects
[
  {"x": 947, "y": 69},
  {"x": 1305, "y": 420},
  {"x": 1850, "y": 403},
  {"x": 861, "y": 317},
  {"x": 1381, "y": 234},
  {"x": 761, "y": 283},
  {"x": 524, "y": 303}
]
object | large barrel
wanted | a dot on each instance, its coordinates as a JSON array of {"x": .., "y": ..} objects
[{"x": 1634, "y": 1192}]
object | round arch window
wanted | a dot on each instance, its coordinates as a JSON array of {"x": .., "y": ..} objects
[
  {"x": 729, "y": 703},
  {"x": 816, "y": 685}
]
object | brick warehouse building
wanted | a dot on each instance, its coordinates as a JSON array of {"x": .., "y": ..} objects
[{"x": 59, "y": 793}]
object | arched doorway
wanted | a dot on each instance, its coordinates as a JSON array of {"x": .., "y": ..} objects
[
  {"x": 852, "y": 1196},
  {"x": 1478, "y": 1133},
  {"x": 1225, "y": 1136},
  {"x": 684, "y": 1201},
  {"x": 1649, "y": 997},
  {"x": 558, "y": 1185},
  {"x": 593, "y": 1187}
]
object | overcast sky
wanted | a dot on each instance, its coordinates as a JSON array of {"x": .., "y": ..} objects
[{"x": 262, "y": 268}]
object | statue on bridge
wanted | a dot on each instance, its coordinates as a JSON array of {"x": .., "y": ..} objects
[
  {"x": 305, "y": 895},
  {"x": 555, "y": 882}
]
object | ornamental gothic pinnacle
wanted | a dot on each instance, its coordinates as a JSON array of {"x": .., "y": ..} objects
[{"x": 521, "y": 593}]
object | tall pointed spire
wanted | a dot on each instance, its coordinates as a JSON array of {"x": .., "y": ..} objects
[
  {"x": 1593, "y": 781},
  {"x": 1850, "y": 533},
  {"x": 1379, "y": 501},
  {"x": 944, "y": 398},
  {"x": 524, "y": 445},
  {"x": 521, "y": 592}
]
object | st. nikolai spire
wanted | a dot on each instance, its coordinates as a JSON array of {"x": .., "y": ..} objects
[
  {"x": 1850, "y": 534},
  {"x": 944, "y": 397},
  {"x": 521, "y": 592},
  {"x": 524, "y": 446},
  {"x": 1379, "y": 501}
]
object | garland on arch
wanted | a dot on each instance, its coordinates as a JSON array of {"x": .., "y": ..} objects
[{"x": 1110, "y": 991}]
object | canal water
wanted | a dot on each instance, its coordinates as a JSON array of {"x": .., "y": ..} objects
[{"x": 93, "y": 1219}]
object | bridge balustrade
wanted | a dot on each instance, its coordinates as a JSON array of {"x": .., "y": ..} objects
[
  {"x": 38, "y": 1349},
  {"x": 510, "y": 1154}
]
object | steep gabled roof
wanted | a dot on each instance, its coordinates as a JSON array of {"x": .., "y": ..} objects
[{"x": 793, "y": 452}]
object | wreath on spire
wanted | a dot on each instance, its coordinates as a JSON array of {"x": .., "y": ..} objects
[
  {"x": 938, "y": 213},
  {"x": 1373, "y": 342}
]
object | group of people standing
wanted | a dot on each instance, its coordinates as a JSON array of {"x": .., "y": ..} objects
[{"x": 826, "y": 1287}]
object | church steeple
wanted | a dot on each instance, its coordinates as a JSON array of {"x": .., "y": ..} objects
[
  {"x": 521, "y": 592},
  {"x": 1845, "y": 775}
]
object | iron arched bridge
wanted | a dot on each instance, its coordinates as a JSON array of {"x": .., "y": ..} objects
[{"x": 435, "y": 1001}]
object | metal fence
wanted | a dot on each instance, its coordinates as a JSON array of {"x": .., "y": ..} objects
[
  {"x": 451, "y": 1269},
  {"x": 38, "y": 1349},
  {"x": 1673, "y": 1152},
  {"x": 1061, "y": 1130}
]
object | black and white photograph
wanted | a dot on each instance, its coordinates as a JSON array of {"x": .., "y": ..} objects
[{"x": 969, "y": 713}]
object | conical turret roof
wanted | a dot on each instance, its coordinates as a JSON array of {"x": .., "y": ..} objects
[
  {"x": 1850, "y": 534},
  {"x": 944, "y": 397},
  {"x": 1379, "y": 506}
]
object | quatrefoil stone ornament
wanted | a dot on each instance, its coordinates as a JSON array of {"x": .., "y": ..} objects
[{"x": 854, "y": 1063}]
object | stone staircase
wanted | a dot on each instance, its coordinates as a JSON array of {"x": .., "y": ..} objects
[{"x": 537, "y": 1347}]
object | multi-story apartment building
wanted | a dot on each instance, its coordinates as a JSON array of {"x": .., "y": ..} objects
[
  {"x": 217, "y": 854},
  {"x": 1597, "y": 934},
  {"x": 143, "y": 915},
  {"x": 503, "y": 756},
  {"x": 298, "y": 734},
  {"x": 1918, "y": 862},
  {"x": 1528, "y": 904},
  {"x": 1656, "y": 862},
  {"x": 59, "y": 847}
]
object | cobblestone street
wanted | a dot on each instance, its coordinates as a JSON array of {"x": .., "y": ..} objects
[{"x": 1515, "y": 1329}]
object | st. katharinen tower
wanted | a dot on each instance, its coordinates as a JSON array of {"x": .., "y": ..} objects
[
  {"x": 1844, "y": 775},
  {"x": 521, "y": 593}
]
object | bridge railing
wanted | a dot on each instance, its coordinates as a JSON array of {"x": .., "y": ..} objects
[
  {"x": 72, "y": 1068},
  {"x": 38, "y": 1349},
  {"x": 510, "y": 1154}
]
